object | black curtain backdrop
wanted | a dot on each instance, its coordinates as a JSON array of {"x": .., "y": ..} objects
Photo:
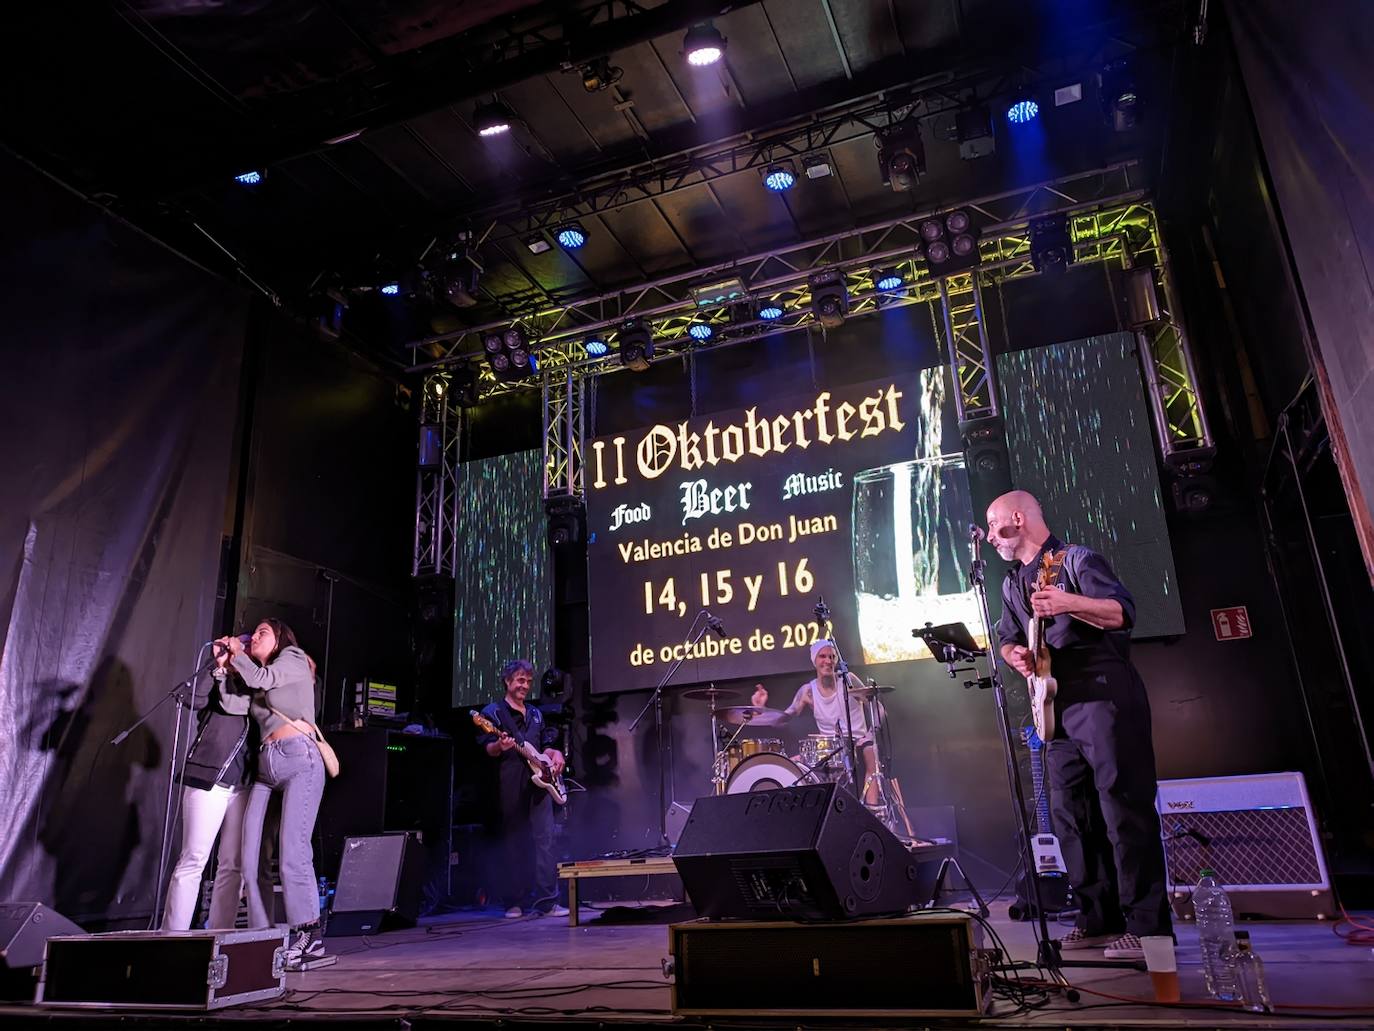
[
  {"x": 1313, "y": 99},
  {"x": 117, "y": 411}
]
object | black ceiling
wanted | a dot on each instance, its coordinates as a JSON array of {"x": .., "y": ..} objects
[{"x": 152, "y": 106}]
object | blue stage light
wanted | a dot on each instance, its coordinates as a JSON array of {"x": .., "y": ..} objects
[
  {"x": 699, "y": 331},
  {"x": 770, "y": 311},
  {"x": 571, "y": 236},
  {"x": 779, "y": 179},
  {"x": 391, "y": 289},
  {"x": 248, "y": 178},
  {"x": 890, "y": 279},
  {"x": 596, "y": 347},
  {"x": 1022, "y": 110}
]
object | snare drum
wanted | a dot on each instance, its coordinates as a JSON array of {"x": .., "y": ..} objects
[
  {"x": 763, "y": 772},
  {"x": 747, "y": 747},
  {"x": 815, "y": 748}
]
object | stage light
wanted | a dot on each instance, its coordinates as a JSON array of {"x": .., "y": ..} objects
[
  {"x": 816, "y": 166},
  {"x": 770, "y": 310},
  {"x": 950, "y": 243},
  {"x": 1051, "y": 246},
  {"x": 889, "y": 279},
  {"x": 570, "y": 236},
  {"x": 636, "y": 345},
  {"x": 248, "y": 178},
  {"x": 460, "y": 274},
  {"x": 718, "y": 292},
  {"x": 599, "y": 74},
  {"x": 391, "y": 289},
  {"x": 973, "y": 129},
  {"x": 1022, "y": 109},
  {"x": 509, "y": 354},
  {"x": 492, "y": 118},
  {"x": 465, "y": 388},
  {"x": 1120, "y": 100},
  {"x": 901, "y": 156},
  {"x": 595, "y": 347},
  {"x": 538, "y": 244},
  {"x": 700, "y": 331},
  {"x": 703, "y": 45},
  {"x": 829, "y": 298},
  {"x": 779, "y": 178}
]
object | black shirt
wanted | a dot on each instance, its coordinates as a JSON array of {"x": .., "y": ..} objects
[
  {"x": 1079, "y": 652},
  {"x": 527, "y": 726}
]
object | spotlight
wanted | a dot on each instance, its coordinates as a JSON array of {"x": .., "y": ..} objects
[
  {"x": 1051, "y": 245},
  {"x": 973, "y": 129},
  {"x": 703, "y": 45},
  {"x": 567, "y": 522},
  {"x": 901, "y": 156},
  {"x": 391, "y": 289},
  {"x": 950, "y": 243},
  {"x": 1120, "y": 100},
  {"x": 538, "y": 244},
  {"x": 465, "y": 388},
  {"x": 248, "y": 178},
  {"x": 700, "y": 331},
  {"x": 829, "y": 298},
  {"x": 636, "y": 345},
  {"x": 459, "y": 276},
  {"x": 570, "y": 236},
  {"x": 779, "y": 178},
  {"x": 492, "y": 118},
  {"x": 509, "y": 354},
  {"x": 888, "y": 279},
  {"x": 816, "y": 166},
  {"x": 595, "y": 347},
  {"x": 1022, "y": 109},
  {"x": 770, "y": 310},
  {"x": 599, "y": 74}
]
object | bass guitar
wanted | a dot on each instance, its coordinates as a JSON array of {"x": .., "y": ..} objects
[
  {"x": 1041, "y": 683},
  {"x": 1055, "y": 892},
  {"x": 541, "y": 771}
]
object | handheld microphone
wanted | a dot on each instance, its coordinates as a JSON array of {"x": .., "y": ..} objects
[
  {"x": 715, "y": 624},
  {"x": 245, "y": 638},
  {"x": 975, "y": 532}
]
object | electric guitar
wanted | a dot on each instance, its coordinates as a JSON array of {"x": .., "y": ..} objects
[
  {"x": 542, "y": 774},
  {"x": 1041, "y": 684},
  {"x": 1055, "y": 892}
]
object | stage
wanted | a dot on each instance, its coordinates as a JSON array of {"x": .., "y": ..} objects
[{"x": 478, "y": 966}]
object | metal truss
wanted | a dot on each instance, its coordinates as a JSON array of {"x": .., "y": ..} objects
[
  {"x": 970, "y": 356},
  {"x": 563, "y": 433},
  {"x": 436, "y": 487}
]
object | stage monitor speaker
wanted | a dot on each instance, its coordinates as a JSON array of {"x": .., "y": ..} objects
[
  {"x": 805, "y": 853},
  {"x": 927, "y": 965},
  {"x": 1257, "y": 832},
  {"x": 24, "y": 929},
  {"x": 380, "y": 882}
]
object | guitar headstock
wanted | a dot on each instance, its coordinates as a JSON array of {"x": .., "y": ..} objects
[
  {"x": 1048, "y": 573},
  {"x": 484, "y": 723}
]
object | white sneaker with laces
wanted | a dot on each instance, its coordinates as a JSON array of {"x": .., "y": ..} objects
[
  {"x": 514, "y": 913},
  {"x": 557, "y": 910}
]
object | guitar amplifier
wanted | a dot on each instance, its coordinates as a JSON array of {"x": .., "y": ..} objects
[
  {"x": 1259, "y": 835},
  {"x": 163, "y": 970}
]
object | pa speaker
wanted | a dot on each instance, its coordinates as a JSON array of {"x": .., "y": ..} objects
[
  {"x": 380, "y": 880},
  {"x": 24, "y": 929},
  {"x": 806, "y": 853}
]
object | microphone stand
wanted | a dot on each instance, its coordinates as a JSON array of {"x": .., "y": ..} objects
[
  {"x": 655, "y": 702},
  {"x": 173, "y": 778},
  {"x": 1048, "y": 955}
]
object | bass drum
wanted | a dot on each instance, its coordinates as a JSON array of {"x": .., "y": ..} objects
[{"x": 763, "y": 772}]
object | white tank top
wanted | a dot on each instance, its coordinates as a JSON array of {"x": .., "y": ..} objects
[{"x": 830, "y": 711}]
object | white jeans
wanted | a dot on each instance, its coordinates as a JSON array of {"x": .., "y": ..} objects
[{"x": 205, "y": 814}]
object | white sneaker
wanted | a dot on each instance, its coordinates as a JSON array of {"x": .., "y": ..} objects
[
  {"x": 556, "y": 910},
  {"x": 514, "y": 913}
]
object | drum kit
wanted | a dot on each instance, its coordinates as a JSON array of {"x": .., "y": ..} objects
[{"x": 750, "y": 756}]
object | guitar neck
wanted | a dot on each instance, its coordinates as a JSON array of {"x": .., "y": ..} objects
[{"x": 1042, "y": 799}]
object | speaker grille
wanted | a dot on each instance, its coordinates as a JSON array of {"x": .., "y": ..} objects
[
  {"x": 1262, "y": 847},
  {"x": 368, "y": 873}
]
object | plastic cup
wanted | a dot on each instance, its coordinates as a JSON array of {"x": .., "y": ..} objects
[{"x": 1162, "y": 964}]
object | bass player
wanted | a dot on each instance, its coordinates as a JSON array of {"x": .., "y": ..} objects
[
  {"x": 1100, "y": 760},
  {"x": 526, "y": 810}
]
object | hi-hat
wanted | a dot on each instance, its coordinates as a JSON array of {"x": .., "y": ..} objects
[
  {"x": 712, "y": 695},
  {"x": 753, "y": 716},
  {"x": 868, "y": 691}
]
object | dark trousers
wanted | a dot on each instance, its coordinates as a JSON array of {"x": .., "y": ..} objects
[
  {"x": 1101, "y": 768},
  {"x": 530, "y": 876}
]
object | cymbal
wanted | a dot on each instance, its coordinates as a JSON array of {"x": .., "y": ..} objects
[
  {"x": 753, "y": 716},
  {"x": 869, "y": 690},
  {"x": 712, "y": 694}
]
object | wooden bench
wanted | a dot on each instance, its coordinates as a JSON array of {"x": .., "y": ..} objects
[{"x": 649, "y": 866}]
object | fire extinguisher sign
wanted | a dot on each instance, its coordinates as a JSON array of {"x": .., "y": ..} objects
[{"x": 1231, "y": 624}]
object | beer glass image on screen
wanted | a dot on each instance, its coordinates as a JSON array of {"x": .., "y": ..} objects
[{"x": 911, "y": 554}]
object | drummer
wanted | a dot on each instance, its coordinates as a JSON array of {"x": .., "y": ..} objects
[{"x": 823, "y": 696}]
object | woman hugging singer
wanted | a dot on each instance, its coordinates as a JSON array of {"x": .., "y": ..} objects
[{"x": 281, "y": 678}]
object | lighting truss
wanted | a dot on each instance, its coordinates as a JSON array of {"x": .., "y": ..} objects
[
  {"x": 1120, "y": 230},
  {"x": 436, "y": 488}
]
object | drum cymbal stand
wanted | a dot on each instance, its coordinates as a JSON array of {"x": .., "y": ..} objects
[
  {"x": 889, "y": 809},
  {"x": 720, "y": 772}
]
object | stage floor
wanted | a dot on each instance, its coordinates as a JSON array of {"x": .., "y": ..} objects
[{"x": 478, "y": 965}]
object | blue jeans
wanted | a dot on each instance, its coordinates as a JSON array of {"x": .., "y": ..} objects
[{"x": 291, "y": 765}]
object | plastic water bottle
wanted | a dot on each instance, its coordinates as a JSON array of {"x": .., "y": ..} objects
[
  {"x": 1216, "y": 933},
  {"x": 1254, "y": 990}
]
